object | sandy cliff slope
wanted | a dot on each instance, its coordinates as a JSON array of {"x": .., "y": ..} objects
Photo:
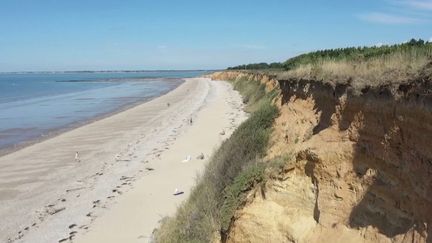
[{"x": 357, "y": 165}]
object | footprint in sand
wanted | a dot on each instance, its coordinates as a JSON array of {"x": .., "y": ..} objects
[{"x": 83, "y": 226}]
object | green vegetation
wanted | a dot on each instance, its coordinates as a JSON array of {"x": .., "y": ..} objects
[
  {"x": 359, "y": 66},
  {"x": 234, "y": 194},
  {"x": 253, "y": 93},
  {"x": 359, "y": 54},
  {"x": 234, "y": 168},
  {"x": 415, "y": 47},
  {"x": 255, "y": 66}
]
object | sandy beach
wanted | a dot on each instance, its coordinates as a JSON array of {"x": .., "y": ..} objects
[{"x": 130, "y": 164}]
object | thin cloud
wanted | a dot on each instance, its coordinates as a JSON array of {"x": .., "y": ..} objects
[
  {"x": 420, "y": 5},
  {"x": 384, "y": 18},
  {"x": 430, "y": 39}
]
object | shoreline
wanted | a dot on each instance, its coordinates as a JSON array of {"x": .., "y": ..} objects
[
  {"x": 49, "y": 195},
  {"x": 74, "y": 125}
]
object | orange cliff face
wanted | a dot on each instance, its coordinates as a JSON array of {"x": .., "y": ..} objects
[{"x": 358, "y": 165}]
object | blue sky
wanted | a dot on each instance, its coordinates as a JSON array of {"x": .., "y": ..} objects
[{"x": 58, "y": 35}]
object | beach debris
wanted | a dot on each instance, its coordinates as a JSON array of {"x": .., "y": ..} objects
[
  {"x": 187, "y": 159},
  {"x": 77, "y": 159},
  {"x": 177, "y": 192},
  {"x": 201, "y": 156},
  {"x": 52, "y": 210},
  {"x": 222, "y": 133},
  {"x": 75, "y": 189}
]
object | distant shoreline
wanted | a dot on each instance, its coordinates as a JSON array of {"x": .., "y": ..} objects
[{"x": 112, "y": 71}]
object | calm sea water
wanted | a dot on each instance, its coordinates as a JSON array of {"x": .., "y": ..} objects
[{"x": 33, "y": 105}]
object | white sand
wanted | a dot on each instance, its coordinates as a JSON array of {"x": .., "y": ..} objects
[{"x": 110, "y": 196}]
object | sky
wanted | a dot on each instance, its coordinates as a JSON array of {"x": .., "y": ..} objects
[{"x": 58, "y": 35}]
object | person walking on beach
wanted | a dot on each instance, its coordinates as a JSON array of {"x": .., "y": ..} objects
[{"x": 77, "y": 157}]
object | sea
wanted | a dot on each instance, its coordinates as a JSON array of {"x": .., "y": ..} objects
[{"x": 34, "y": 106}]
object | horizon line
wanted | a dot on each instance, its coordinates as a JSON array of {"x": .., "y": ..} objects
[{"x": 110, "y": 71}]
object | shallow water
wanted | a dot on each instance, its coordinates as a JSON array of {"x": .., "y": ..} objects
[{"x": 34, "y": 105}]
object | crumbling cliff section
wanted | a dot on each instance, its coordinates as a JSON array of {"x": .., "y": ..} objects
[{"x": 357, "y": 165}]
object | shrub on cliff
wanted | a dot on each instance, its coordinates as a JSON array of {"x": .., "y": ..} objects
[{"x": 234, "y": 194}]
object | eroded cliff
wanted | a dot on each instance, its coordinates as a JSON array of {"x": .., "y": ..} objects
[{"x": 357, "y": 164}]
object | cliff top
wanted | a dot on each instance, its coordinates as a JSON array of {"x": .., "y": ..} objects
[{"x": 359, "y": 67}]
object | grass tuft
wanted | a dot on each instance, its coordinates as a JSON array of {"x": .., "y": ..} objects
[
  {"x": 234, "y": 194},
  {"x": 395, "y": 67}
]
